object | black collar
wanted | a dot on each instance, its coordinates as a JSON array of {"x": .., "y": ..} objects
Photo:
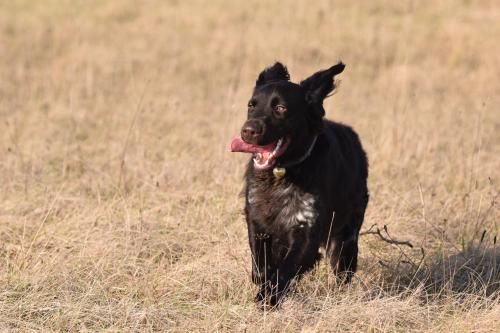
[{"x": 300, "y": 159}]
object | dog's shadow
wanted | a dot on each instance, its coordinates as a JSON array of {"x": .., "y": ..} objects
[
  {"x": 474, "y": 271},
  {"x": 466, "y": 275}
]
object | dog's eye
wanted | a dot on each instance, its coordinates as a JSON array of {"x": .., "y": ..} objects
[
  {"x": 251, "y": 104},
  {"x": 280, "y": 108}
]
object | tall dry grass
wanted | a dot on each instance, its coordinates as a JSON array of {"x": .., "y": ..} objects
[{"x": 119, "y": 202}]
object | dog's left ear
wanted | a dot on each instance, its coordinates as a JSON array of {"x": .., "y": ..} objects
[
  {"x": 320, "y": 84},
  {"x": 276, "y": 72}
]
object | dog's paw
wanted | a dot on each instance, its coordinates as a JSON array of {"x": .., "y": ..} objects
[
  {"x": 344, "y": 277},
  {"x": 269, "y": 296},
  {"x": 261, "y": 296},
  {"x": 267, "y": 301}
]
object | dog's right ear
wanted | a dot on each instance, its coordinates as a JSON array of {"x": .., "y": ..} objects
[{"x": 276, "y": 72}]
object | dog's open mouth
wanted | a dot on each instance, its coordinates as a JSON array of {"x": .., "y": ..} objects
[{"x": 264, "y": 156}]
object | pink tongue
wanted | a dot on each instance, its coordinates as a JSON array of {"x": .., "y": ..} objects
[{"x": 238, "y": 145}]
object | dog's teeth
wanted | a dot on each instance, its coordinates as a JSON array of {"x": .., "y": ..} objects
[
  {"x": 262, "y": 161},
  {"x": 278, "y": 146}
]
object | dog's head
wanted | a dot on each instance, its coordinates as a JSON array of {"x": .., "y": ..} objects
[{"x": 283, "y": 116}]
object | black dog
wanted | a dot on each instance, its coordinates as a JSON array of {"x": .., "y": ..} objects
[{"x": 306, "y": 186}]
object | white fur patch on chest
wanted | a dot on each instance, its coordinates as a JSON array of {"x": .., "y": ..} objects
[
  {"x": 299, "y": 210},
  {"x": 289, "y": 204}
]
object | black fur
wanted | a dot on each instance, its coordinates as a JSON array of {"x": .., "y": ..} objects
[{"x": 320, "y": 202}]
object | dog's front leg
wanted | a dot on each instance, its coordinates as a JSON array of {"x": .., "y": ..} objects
[
  {"x": 301, "y": 256},
  {"x": 260, "y": 246}
]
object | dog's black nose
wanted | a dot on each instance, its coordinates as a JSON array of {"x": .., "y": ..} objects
[{"x": 252, "y": 131}]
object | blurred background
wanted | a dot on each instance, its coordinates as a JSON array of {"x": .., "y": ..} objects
[{"x": 119, "y": 201}]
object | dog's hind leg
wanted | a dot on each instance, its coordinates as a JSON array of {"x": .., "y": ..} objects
[
  {"x": 344, "y": 255},
  {"x": 344, "y": 252}
]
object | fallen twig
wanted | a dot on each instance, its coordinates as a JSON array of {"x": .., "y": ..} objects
[{"x": 387, "y": 238}]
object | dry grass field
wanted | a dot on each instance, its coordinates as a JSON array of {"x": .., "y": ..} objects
[{"x": 119, "y": 201}]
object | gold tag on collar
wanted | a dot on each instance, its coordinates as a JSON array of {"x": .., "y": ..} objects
[{"x": 279, "y": 172}]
